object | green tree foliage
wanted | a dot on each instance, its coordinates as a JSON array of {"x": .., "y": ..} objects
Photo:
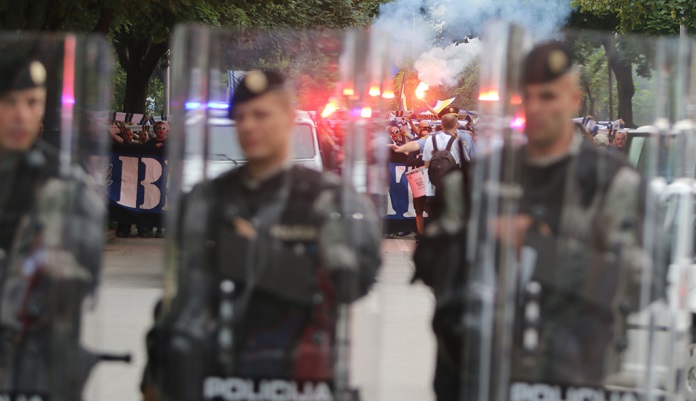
[
  {"x": 654, "y": 17},
  {"x": 141, "y": 30},
  {"x": 629, "y": 57},
  {"x": 467, "y": 90},
  {"x": 119, "y": 85},
  {"x": 594, "y": 71}
]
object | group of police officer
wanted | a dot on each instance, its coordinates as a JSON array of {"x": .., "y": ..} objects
[{"x": 541, "y": 257}]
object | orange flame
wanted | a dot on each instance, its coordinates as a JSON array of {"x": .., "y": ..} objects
[
  {"x": 420, "y": 90},
  {"x": 348, "y": 92},
  {"x": 490, "y": 96},
  {"x": 374, "y": 90},
  {"x": 329, "y": 109},
  {"x": 388, "y": 92}
]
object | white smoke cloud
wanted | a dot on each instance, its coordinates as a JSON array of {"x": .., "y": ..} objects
[
  {"x": 409, "y": 34},
  {"x": 441, "y": 66},
  {"x": 428, "y": 41}
]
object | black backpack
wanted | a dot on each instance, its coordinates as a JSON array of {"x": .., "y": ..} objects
[
  {"x": 414, "y": 159},
  {"x": 442, "y": 162}
]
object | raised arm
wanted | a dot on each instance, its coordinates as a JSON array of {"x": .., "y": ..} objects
[{"x": 408, "y": 147}]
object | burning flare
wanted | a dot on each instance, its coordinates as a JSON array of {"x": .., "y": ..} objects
[
  {"x": 490, "y": 96},
  {"x": 420, "y": 90},
  {"x": 388, "y": 91},
  {"x": 329, "y": 109}
]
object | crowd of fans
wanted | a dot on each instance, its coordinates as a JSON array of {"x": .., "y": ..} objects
[
  {"x": 144, "y": 142},
  {"x": 404, "y": 133},
  {"x": 610, "y": 136},
  {"x": 414, "y": 138},
  {"x": 156, "y": 140}
]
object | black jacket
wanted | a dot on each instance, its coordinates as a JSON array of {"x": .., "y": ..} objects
[{"x": 280, "y": 243}]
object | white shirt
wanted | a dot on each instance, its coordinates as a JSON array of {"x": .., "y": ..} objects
[{"x": 442, "y": 138}]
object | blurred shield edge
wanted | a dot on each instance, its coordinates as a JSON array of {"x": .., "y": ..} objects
[
  {"x": 595, "y": 301},
  {"x": 53, "y": 214},
  {"x": 269, "y": 289}
]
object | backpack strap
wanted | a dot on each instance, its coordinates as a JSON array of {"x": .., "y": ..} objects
[
  {"x": 463, "y": 154},
  {"x": 435, "y": 149},
  {"x": 451, "y": 142}
]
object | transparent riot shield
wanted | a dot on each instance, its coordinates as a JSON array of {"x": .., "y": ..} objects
[
  {"x": 575, "y": 284},
  {"x": 490, "y": 285},
  {"x": 268, "y": 249},
  {"x": 54, "y": 99},
  {"x": 674, "y": 135}
]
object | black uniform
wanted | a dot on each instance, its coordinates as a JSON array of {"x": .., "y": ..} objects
[
  {"x": 52, "y": 237},
  {"x": 294, "y": 247},
  {"x": 581, "y": 287},
  {"x": 21, "y": 174}
]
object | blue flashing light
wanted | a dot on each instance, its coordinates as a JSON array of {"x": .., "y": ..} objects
[
  {"x": 218, "y": 105},
  {"x": 192, "y": 105}
]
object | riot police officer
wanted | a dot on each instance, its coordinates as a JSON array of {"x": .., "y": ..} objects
[
  {"x": 267, "y": 252},
  {"x": 22, "y": 104},
  {"x": 582, "y": 213},
  {"x": 51, "y": 222},
  {"x": 574, "y": 218}
]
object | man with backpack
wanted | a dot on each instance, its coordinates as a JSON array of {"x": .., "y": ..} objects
[{"x": 442, "y": 151}]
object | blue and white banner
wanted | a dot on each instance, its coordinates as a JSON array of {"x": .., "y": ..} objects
[
  {"x": 137, "y": 183},
  {"x": 137, "y": 188},
  {"x": 400, "y": 199}
]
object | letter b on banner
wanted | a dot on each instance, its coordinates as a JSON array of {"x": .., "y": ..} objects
[{"x": 138, "y": 182}]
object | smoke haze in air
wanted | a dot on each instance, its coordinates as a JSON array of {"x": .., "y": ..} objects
[
  {"x": 441, "y": 66},
  {"x": 429, "y": 33}
]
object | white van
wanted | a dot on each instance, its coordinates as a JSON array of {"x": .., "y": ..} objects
[
  {"x": 222, "y": 134},
  {"x": 224, "y": 152}
]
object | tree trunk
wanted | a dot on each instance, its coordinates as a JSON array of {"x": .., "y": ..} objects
[
  {"x": 136, "y": 89},
  {"x": 106, "y": 16},
  {"x": 589, "y": 105},
  {"x": 139, "y": 59},
  {"x": 623, "y": 71}
]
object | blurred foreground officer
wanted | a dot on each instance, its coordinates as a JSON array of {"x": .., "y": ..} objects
[
  {"x": 576, "y": 227},
  {"x": 51, "y": 238},
  {"x": 23, "y": 159},
  {"x": 267, "y": 258}
]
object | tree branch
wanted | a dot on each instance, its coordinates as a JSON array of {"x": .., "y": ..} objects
[
  {"x": 121, "y": 49},
  {"x": 106, "y": 16},
  {"x": 154, "y": 54},
  {"x": 37, "y": 15}
]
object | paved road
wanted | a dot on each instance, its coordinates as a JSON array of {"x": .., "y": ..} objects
[{"x": 393, "y": 349}]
